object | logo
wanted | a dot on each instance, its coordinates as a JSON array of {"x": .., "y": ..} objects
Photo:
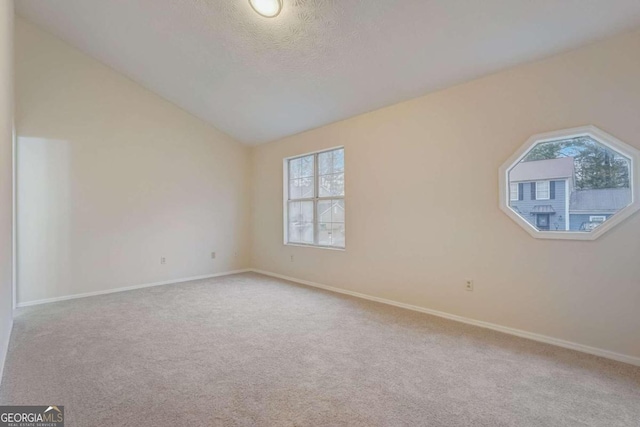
[{"x": 32, "y": 416}]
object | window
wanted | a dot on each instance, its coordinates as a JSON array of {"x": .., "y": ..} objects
[
  {"x": 514, "y": 193},
  {"x": 571, "y": 184},
  {"x": 542, "y": 190},
  {"x": 315, "y": 208}
]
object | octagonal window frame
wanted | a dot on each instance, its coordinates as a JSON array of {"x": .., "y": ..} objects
[{"x": 600, "y": 136}]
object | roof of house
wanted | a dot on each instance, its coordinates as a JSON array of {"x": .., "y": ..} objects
[
  {"x": 562, "y": 167},
  {"x": 602, "y": 200}
]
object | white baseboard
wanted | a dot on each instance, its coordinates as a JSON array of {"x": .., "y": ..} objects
[
  {"x": 128, "y": 288},
  {"x": 512, "y": 331}
]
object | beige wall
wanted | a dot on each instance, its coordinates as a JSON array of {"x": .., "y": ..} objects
[
  {"x": 111, "y": 178},
  {"x": 6, "y": 175},
  {"x": 422, "y": 203}
]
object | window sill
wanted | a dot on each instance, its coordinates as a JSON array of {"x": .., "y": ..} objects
[{"x": 330, "y": 248}]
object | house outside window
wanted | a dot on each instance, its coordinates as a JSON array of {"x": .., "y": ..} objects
[
  {"x": 575, "y": 184},
  {"x": 314, "y": 199}
]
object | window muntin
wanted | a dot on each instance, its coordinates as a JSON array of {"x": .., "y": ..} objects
[
  {"x": 542, "y": 190},
  {"x": 315, "y": 211},
  {"x": 513, "y": 191}
]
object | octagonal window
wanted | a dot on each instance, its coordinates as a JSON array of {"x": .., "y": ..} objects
[{"x": 571, "y": 184}]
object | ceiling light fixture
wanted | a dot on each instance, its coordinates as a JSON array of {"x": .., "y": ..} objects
[{"x": 267, "y": 8}]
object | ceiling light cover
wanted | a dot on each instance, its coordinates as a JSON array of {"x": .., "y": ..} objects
[{"x": 267, "y": 8}]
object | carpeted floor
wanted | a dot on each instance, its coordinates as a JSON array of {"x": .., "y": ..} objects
[{"x": 248, "y": 350}]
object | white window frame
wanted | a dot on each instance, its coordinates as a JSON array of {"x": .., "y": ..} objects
[
  {"x": 597, "y": 218},
  {"x": 315, "y": 199},
  {"x": 539, "y": 191},
  {"x": 513, "y": 185}
]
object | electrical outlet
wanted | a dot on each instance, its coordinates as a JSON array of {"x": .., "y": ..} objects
[
  {"x": 163, "y": 260},
  {"x": 291, "y": 258},
  {"x": 213, "y": 255},
  {"x": 468, "y": 285}
]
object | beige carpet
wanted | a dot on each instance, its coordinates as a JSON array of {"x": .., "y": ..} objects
[{"x": 248, "y": 350}]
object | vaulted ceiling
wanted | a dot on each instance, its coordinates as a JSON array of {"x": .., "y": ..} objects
[{"x": 319, "y": 61}]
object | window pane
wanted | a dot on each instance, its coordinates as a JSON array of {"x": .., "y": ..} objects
[
  {"x": 324, "y": 185},
  {"x": 338, "y": 160},
  {"x": 324, "y": 211},
  {"x": 294, "y": 168},
  {"x": 301, "y": 222},
  {"x": 306, "y": 187},
  {"x": 331, "y": 185},
  {"x": 338, "y": 235},
  {"x": 337, "y": 186},
  {"x": 331, "y": 211},
  {"x": 300, "y": 188},
  {"x": 324, "y": 233},
  {"x": 337, "y": 211},
  {"x": 294, "y": 233},
  {"x": 307, "y": 234},
  {"x": 306, "y": 167},
  {"x": 325, "y": 163},
  {"x": 295, "y": 189},
  {"x": 294, "y": 214},
  {"x": 300, "y": 212},
  {"x": 306, "y": 211},
  {"x": 294, "y": 217},
  {"x": 301, "y": 233},
  {"x": 331, "y": 234}
]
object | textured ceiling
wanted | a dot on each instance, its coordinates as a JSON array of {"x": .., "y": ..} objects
[{"x": 319, "y": 61}]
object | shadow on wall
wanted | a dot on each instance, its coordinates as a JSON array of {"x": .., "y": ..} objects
[{"x": 43, "y": 197}]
